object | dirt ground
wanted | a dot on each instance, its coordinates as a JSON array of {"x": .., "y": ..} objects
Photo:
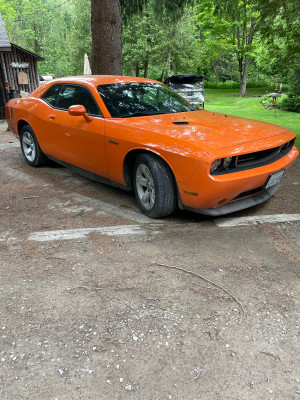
[{"x": 132, "y": 308}]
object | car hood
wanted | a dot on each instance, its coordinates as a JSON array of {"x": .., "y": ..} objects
[{"x": 207, "y": 130}]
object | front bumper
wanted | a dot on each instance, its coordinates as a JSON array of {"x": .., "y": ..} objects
[
  {"x": 223, "y": 194},
  {"x": 238, "y": 204}
]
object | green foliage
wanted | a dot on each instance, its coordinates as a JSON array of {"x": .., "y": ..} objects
[
  {"x": 57, "y": 31},
  {"x": 222, "y": 85},
  {"x": 151, "y": 47},
  {"x": 173, "y": 8},
  {"x": 291, "y": 102},
  {"x": 228, "y": 29},
  {"x": 280, "y": 28},
  {"x": 80, "y": 36},
  {"x": 162, "y": 37},
  {"x": 268, "y": 102},
  {"x": 233, "y": 85}
]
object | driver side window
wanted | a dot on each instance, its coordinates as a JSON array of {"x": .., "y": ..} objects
[
  {"x": 64, "y": 96},
  {"x": 51, "y": 95}
]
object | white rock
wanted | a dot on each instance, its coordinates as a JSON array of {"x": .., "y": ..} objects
[{"x": 128, "y": 387}]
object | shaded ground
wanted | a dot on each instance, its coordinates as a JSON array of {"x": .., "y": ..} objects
[{"x": 100, "y": 318}]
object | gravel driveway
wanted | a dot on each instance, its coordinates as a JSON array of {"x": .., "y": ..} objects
[{"x": 99, "y": 302}]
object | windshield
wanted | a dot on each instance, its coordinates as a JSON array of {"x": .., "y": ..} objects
[{"x": 140, "y": 99}]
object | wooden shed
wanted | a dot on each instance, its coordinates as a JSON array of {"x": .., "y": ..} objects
[{"x": 18, "y": 69}]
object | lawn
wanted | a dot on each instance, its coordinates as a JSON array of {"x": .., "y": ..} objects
[{"x": 227, "y": 101}]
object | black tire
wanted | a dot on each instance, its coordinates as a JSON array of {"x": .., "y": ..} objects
[
  {"x": 154, "y": 186},
  {"x": 30, "y": 147}
]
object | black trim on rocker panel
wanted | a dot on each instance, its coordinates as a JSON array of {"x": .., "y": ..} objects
[{"x": 88, "y": 174}]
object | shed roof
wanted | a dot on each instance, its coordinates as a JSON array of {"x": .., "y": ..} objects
[
  {"x": 4, "y": 41},
  {"x": 39, "y": 58}
]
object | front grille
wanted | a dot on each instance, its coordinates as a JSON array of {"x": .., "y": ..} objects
[{"x": 257, "y": 159}]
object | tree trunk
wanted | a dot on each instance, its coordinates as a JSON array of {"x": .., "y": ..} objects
[
  {"x": 106, "y": 22},
  {"x": 174, "y": 68},
  {"x": 146, "y": 65},
  {"x": 168, "y": 62},
  {"x": 132, "y": 68},
  {"x": 244, "y": 62},
  {"x": 244, "y": 76},
  {"x": 137, "y": 70}
]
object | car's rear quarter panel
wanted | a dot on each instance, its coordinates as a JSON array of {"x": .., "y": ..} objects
[{"x": 21, "y": 110}]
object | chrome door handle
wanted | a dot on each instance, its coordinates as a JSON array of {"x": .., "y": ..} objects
[{"x": 52, "y": 116}]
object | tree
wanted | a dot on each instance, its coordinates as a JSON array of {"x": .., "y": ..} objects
[
  {"x": 155, "y": 46},
  {"x": 282, "y": 19},
  {"x": 233, "y": 23},
  {"x": 106, "y": 37},
  {"x": 31, "y": 24},
  {"x": 107, "y": 29},
  {"x": 80, "y": 38}
]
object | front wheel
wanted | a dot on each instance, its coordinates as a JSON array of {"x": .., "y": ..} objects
[
  {"x": 30, "y": 147},
  {"x": 154, "y": 186}
]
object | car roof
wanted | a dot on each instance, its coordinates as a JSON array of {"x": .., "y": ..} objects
[
  {"x": 102, "y": 79},
  {"x": 90, "y": 81}
]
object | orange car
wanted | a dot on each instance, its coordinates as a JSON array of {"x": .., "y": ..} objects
[{"x": 140, "y": 135}]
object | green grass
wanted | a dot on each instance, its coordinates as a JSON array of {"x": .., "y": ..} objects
[{"x": 227, "y": 101}]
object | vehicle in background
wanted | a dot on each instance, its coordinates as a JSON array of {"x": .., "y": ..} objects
[{"x": 191, "y": 87}]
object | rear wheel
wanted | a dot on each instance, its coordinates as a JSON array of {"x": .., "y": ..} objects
[
  {"x": 154, "y": 186},
  {"x": 30, "y": 147}
]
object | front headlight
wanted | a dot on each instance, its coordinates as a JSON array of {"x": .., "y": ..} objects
[
  {"x": 215, "y": 165},
  {"x": 220, "y": 164},
  {"x": 226, "y": 162}
]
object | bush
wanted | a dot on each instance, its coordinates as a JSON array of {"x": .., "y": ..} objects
[
  {"x": 287, "y": 102},
  {"x": 268, "y": 101},
  {"x": 257, "y": 84},
  {"x": 236, "y": 85},
  {"x": 222, "y": 85},
  {"x": 291, "y": 102}
]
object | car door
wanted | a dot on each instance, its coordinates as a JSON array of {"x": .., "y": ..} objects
[{"x": 71, "y": 138}]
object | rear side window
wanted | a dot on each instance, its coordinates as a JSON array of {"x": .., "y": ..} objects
[
  {"x": 51, "y": 95},
  {"x": 64, "y": 96}
]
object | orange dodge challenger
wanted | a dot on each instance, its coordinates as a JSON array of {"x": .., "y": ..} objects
[{"x": 140, "y": 135}]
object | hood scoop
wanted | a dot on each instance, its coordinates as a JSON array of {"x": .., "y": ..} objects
[{"x": 180, "y": 122}]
